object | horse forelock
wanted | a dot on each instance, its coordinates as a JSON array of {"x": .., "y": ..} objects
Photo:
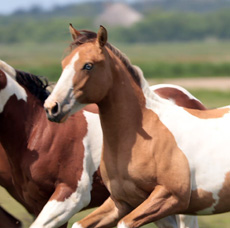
[
  {"x": 37, "y": 85},
  {"x": 89, "y": 36},
  {"x": 84, "y": 37}
]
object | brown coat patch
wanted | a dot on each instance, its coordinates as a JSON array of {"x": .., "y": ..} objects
[
  {"x": 179, "y": 98},
  {"x": 45, "y": 156},
  {"x": 91, "y": 108},
  {"x": 200, "y": 200},
  {"x": 224, "y": 194},
  {"x": 208, "y": 114}
]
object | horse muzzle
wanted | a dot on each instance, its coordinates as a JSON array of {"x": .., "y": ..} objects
[{"x": 54, "y": 112}]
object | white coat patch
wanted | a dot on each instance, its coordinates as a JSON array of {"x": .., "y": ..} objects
[
  {"x": 7, "y": 69},
  {"x": 76, "y": 225},
  {"x": 205, "y": 143},
  {"x": 122, "y": 225},
  {"x": 12, "y": 88},
  {"x": 56, "y": 213}
]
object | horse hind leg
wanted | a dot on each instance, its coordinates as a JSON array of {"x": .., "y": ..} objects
[
  {"x": 178, "y": 221},
  {"x": 167, "y": 222},
  {"x": 7, "y": 220},
  {"x": 187, "y": 221}
]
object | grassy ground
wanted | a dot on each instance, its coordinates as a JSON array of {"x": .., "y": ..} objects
[{"x": 214, "y": 221}]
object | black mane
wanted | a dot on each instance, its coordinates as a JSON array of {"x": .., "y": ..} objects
[{"x": 37, "y": 85}]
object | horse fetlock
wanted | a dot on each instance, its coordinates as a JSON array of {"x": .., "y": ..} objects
[
  {"x": 77, "y": 225},
  {"x": 122, "y": 225}
]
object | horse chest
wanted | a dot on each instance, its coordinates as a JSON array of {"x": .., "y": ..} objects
[
  {"x": 127, "y": 191},
  {"x": 129, "y": 182}
]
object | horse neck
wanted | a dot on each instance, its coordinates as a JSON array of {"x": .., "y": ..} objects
[
  {"x": 122, "y": 110},
  {"x": 17, "y": 121}
]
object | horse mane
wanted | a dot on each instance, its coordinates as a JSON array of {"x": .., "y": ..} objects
[
  {"x": 89, "y": 36},
  {"x": 37, "y": 85}
]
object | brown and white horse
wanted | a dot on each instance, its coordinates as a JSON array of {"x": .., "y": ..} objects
[
  {"x": 158, "y": 159},
  {"x": 47, "y": 171},
  {"x": 54, "y": 167}
]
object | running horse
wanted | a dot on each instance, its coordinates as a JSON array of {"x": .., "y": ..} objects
[
  {"x": 55, "y": 179},
  {"x": 158, "y": 159}
]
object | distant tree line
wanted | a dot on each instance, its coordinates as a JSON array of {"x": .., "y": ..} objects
[
  {"x": 177, "y": 26},
  {"x": 157, "y": 25}
]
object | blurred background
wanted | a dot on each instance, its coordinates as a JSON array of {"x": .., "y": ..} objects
[{"x": 184, "y": 42}]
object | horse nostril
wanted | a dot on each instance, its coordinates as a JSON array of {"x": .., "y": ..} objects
[{"x": 55, "y": 109}]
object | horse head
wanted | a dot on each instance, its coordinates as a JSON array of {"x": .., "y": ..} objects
[{"x": 85, "y": 78}]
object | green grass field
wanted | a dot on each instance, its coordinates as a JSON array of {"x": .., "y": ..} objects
[{"x": 159, "y": 60}]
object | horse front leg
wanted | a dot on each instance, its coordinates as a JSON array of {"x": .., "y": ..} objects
[
  {"x": 107, "y": 215},
  {"x": 159, "y": 204},
  {"x": 62, "y": 205}
]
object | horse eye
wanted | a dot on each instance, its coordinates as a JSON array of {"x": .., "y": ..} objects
[{"x": 88, "y": 66}]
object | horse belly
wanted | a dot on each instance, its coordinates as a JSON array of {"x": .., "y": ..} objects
[
  {"x": 211, "y": 193},
  {"x": 203, "y": 203},
  {"x": 208, "y": 155}
]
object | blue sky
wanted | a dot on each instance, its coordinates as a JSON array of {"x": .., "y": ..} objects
[{"x": 8, "y": 6}]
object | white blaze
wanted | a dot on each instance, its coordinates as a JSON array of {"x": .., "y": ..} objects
[{"x": 64, "y": 88}]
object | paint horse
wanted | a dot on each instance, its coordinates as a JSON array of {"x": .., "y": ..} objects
[
  {"x": 35, "y": 143},
  {"x": 158, "y": 159},
  {"x": 54, "y": 179}
]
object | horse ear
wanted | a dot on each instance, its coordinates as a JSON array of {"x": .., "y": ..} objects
[
  {"x": 73, "y": 32},
  {"x": 102, "y": 36}
]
